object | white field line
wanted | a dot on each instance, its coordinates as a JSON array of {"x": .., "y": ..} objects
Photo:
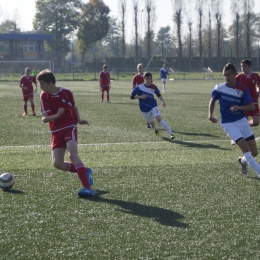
[{"x": 123, "y": 143}]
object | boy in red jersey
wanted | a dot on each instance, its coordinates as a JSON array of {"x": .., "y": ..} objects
[
  {"x": 138, "y": 79},
  {"x": 27, "y": 89},
  {"x": 104, "y": 83},
  {"x": 252, "y": 81},
  {"x": 59, "y": 110}
]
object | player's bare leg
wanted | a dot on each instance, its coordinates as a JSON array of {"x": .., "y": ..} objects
[{"x": 25, "y": 108}]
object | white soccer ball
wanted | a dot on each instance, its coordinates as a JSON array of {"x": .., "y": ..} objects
[{"x": 6, "y": 181}]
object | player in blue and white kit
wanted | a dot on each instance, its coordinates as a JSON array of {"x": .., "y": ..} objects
[
  {"x": 148, "y": 105},
  {"x": 234, "y": 98},
  {"x": 163, "y": 75}
]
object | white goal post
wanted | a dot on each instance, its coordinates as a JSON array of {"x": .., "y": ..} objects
[{"x": 14, "y": 67}]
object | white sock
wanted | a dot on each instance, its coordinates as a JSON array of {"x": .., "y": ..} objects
[
  {"x": 252, "y": 162},
  {"x": 166, "y": 127}
]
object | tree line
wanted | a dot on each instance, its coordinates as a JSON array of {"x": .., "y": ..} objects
[{"x": 197, "y": 32}]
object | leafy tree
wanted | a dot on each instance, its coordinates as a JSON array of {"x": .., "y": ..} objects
[
  {"x": 9, "y": 25},
  {"x": 164, "y": 36},
  {"x": 94, "y": 26},
  {"x": 59, "y": 18}
]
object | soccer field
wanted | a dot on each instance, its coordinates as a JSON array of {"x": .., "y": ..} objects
[{"x": 156, "y": 198}]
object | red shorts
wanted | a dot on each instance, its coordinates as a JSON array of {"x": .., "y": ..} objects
[
  {"x": 60, "y": 138},
  {"x": 105, "y": 88},
  {"x": 28, "y": 97},
  {"x": 253, "y": 113}
]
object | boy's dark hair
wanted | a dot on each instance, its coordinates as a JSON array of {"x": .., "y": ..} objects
[
  {"x": 148, "y": 74},
  {"x": 46, "y": 76},
  {"x": 247, "y": 61},
  {"x": 230, "y": 66}
]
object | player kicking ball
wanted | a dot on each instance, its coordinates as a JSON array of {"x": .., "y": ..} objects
[
  {"x": 148, "y": 105},
  {"x": 59, "y": 110}
]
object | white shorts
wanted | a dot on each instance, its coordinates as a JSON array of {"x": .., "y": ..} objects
[
  {"x": 238, "y": 129},
  {"x": 163, "y": 79},
  {"x": 149, "y": 116}
]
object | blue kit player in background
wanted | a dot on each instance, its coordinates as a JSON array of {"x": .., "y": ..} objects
[
  {"x": 148, "y": 105},
  {"x": 233, "y": 98},
  {"x": 164, "y": 74}
]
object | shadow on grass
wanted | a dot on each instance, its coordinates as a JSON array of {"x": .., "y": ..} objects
[
  {"x": 161, "y": 215},
  {"x": 196, "y": 145},
  {"x": 14, "y": 191},
  {"x": 196, "y": 134}
]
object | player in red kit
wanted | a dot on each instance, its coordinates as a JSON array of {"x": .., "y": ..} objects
[
  {"x": 26, "y": 83},
  {"x": 138, "y": 79},
  {"x": 104, "y": 83},
  {"x": 252, "y": 81},
  {"x": 59, "y": 110}
]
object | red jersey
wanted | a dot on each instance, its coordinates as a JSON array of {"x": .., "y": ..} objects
[
  {"x": 27, "y": 82},
  {"x": 104, "y": 78},
  {"x": 137, "y": 80},
  {"x": 252, "y": 81},
  {"x": 50, "y": 103}
]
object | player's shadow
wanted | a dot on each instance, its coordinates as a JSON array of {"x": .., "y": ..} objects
[
  {"x": 196, "y": 134},
  {"x": 161, "y": 215},
  {"x": 14, "y": 191},
  {"x": 195, "y": 145}
]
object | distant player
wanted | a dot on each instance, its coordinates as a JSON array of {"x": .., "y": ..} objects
[
  {"x": 59, "y": 110},
  {"x": 148, "y": 105},
  {"x": 164, "y": 74},
  {"x": 26, "y": 84},
  {"x": 234, "y": 98},
  {"x": 34, "y": 72},
  {"x": 104, "y": 83},
  {"x": 139, "y": 79}
]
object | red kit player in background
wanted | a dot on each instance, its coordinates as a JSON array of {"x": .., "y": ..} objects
[
  {"x": 25, "y": 83},
  {"x": 252, "y": 81},
  {"x": 59, "y": 110},
  {"x": 138, "y": 79},
  {"x": 104, "y": 83}
]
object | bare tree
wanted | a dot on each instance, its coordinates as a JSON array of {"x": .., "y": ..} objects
[
  {"x": 190, "y": 40},
  {"x": 209, "y": 32},
  {"x": 200, "y": 9},
  {"x": 248, "y": 7},
  {"x": 136, "y": 29},
  {"x": 122, "y": 11},
  {"x": 151, "y": 16},
  {"x": 217, "y": 9},
  {"x": 178, "y": 6},
  {"x": 236, "y": 11}
]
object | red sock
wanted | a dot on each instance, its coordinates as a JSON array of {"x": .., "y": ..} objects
[
  {"x": 81, "y": 170},
  {"x": 32, "y": 106},
  {"x": 71, "y": 167},
  {"x": 25, "y": 108}
]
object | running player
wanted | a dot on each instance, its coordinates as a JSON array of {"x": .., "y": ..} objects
[
  {"x": 234, "y": 98},
  {"x": 26, "y": 84},
  {"x": 148, "y": 105},
  {"x": 104, "y": 83},
  {"x": 139, "y": 79},
  {"x": 164, "y": 74},
  {"x": 59, "y": 110}
]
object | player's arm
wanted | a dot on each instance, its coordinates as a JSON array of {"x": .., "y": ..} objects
[
  {"x": 248, "y": 107},
  {"x": 21, "y": 86},
  {"x": 158, "y": 94},
  {"x": 46, "y": 118},
  {"x": 80, "y": 121},
  {"x": 212, "y": 103}
]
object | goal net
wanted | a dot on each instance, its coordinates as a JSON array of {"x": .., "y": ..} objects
[{"x": 14, "y": 67}]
